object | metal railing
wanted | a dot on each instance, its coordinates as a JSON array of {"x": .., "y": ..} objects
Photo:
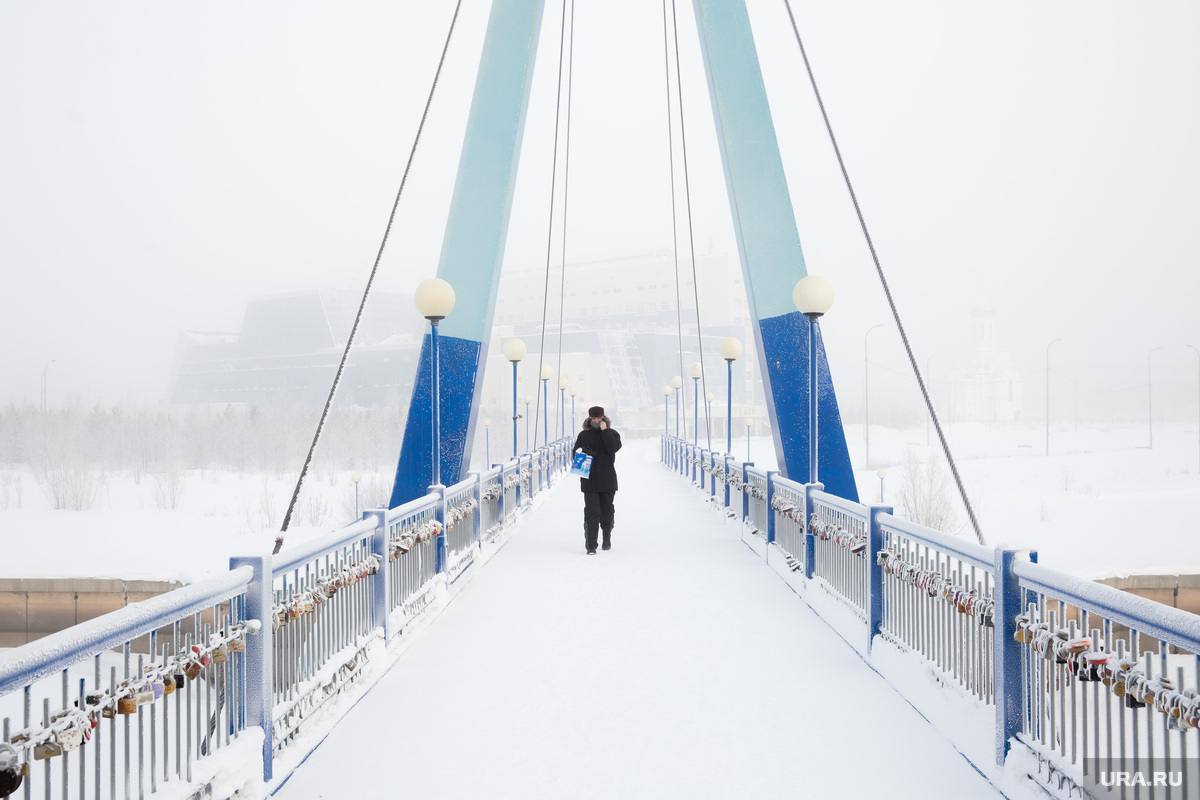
[
  {"x": 1085, "y": 676},
  {"x": 1110, "y": 681},
  {"x": 121, "y": 705}
]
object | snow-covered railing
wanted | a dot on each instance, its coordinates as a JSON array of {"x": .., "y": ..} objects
[
  {"x": 1107, "y": 680},
  {"x": 1090, "y": 679},
  {"x": 839, "y": 530},
  {"x": 755, "y": 490},
  {"x": 95, "y": 716},
  {"x": 154, "y": 694}
]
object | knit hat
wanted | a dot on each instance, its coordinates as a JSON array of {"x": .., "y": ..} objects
[{"x": 596, "y": 411}]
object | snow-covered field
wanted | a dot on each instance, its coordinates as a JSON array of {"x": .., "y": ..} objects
[{"x": 1102, "y": 504}]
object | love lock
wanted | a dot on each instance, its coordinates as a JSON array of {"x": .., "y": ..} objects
[
  {"x": 168, "y": 684},
  {"x": 126, "y": 705},
  {"x": 47, "y": 749},
  {"x": 237, "y": 644},
  {"x": 12, "y": 771},
  {"x": 192, "y": 670},
  {"x": 220, "y": 654},
  {"x": 69, "y": 739}
]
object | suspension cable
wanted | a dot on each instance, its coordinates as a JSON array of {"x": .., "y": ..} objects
[
  {"x": 562, "y": 296},
  {"x": 912, "y": 359},
  {"x": 337, "y": 378},
  {"x": 679, "y": 402},
  {"x": 687, "y": 188},
  {"x": 550, "y": 226}
]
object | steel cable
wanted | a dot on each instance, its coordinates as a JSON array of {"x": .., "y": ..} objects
[
  {"x": 687, "y": 189},
  {"x": 681, "y": 403},
  {"x": 912, "y": 359},
  {"x": 337, "y": 378},
  {"x": 550, "y": 226}
]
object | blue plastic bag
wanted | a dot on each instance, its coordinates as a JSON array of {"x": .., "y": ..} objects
[{"x": 581, "y": 464}]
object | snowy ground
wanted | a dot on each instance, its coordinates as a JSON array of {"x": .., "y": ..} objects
[
  {"x": 1080, "y": 507},
  {"x": 676, "y": 665}
]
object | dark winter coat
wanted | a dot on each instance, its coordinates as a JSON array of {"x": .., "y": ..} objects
[{"x": 602, "y": 446}]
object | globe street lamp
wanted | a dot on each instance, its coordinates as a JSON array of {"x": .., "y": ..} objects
[
  {"x": 435, "y": 300},
  {"x": 572, "y": 392},
  {"x": 708, "y": 398},
  {"x": 813, "y": 296},
  {"x": 355, "y": 477},
  {"x": 547, "y": 374},
  {"x": 731, "y": 350},
  {"x": 676, "y": 384},
  {"x": 514, "y": 351}
]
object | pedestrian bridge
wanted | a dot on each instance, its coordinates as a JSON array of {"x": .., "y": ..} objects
[{"x": 747, "y": 636}]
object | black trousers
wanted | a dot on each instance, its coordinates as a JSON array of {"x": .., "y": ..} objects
[{"x": 598, "y": 514}]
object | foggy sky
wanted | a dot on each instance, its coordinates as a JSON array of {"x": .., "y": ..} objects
[{"x": 165, "y": 161}]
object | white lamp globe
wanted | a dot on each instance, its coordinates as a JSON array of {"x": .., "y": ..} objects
[
  {"x": 813, "y": 296},
  {"x": 434, "y": 298},
  {"x": 487, "y": 422},
  {"x": 666, "y": 390},
  {"x": 547, "y": 372},
  {"x": 676, "y": 382},
  {"x": 562, "y": 384},
  {"x": 696, "y": 370},
  {"x": 571, "y": 391},
  {"x": 731, "y": 349},
  {"x": 514, "y": 350},
  {"x": 710, "y": 397}
]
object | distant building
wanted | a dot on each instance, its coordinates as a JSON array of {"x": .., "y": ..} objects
[
  {"x": 287, "y": 351},
  {"x": 989, "y": 388}
]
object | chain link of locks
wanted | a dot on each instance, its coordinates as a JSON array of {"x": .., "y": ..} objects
[
  {"x": 856, "y": 543},
  {"x": 491, "y": 492},
  {"x": 456, "y": 514},
  {"x": 512, "y": 480},
  {"x": 1119, "y": 673},
  {"x": 786, "y": 508},
  {"x": 412, "y": 535},
  {"x": 306, "y": 602},
  {"x": 70, "y": 728},
  {"x": 965, "y": 600}
]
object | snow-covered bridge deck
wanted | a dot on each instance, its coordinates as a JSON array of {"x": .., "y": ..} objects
[{"x": 672, "y": 666}]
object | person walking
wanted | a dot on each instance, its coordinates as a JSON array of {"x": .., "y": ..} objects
[{"x": 601, "y": 442}]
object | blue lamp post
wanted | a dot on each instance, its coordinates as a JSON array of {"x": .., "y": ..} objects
[
  {"x": 813, "y": 296},
  {"x": 435, "y": 300},
  {"x": 666, "y": 393},
  {"x": 676, "y": 384},
  {"x": 695, "y": 372},
  {"x": 547, "y": 374},
  {"x": 562, "y": 407},
  {"x": 514, "y": 351},
  {"x": 731, "y": 350}
]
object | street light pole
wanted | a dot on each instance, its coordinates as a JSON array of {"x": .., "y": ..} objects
[
  {"x": 1050, "y": 345},
  {"x": 731, "y": 350},
  {"x": 514, "y": 351},
  {"x": 1150, "y": 396},
  {"x": 813, "y": 296},
  {"x": 867, "y": 390},
  {"x": 695, "y": 372},
  {"x": 435, "y": 300},
  {"x": 547, "y": 374},
  {"x": 677, "y": 384}
]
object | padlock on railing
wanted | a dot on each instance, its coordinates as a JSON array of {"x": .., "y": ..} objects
[{"x": 12, "y": 770}]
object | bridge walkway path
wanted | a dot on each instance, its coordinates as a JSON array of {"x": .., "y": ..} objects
[{"x": 675, "y": 665}]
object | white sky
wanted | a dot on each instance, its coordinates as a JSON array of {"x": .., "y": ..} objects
[{"x": 164, "y": 161}]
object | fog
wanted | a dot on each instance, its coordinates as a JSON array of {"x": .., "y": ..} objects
[{"x": 165, "y": 163}]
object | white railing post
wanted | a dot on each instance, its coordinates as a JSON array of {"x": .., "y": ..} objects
[{"x": 382, "y": 580}]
